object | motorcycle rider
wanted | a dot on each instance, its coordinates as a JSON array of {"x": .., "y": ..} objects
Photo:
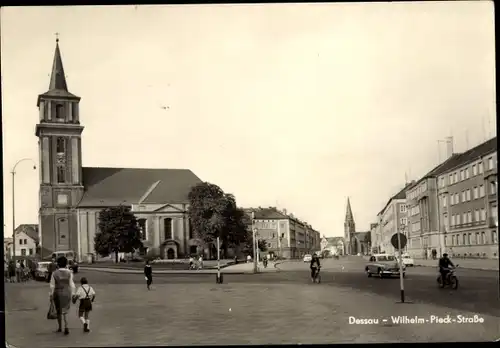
[
  {"x": 315, "y": 265},
  {"x": 444, "y": 267}
]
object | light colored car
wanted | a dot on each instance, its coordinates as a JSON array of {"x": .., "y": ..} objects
[
  {"x": 42, "y": 270},
  {"x": 307, "y": 258},
  {"x": 383, "y": 265},
  {"x": 408, "y": 260}
]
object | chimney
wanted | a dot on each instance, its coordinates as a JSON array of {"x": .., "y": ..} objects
[
  {"x": 449, "y": 147},
  {"x": 284, "y": 212}
]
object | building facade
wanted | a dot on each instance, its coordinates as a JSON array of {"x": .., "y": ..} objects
[
  {"x": 71, "y": 196},
  {"x": 392, "y": 219},
  {"x": 375, "y": 237},
  {"x": 27, "y": 241},
  {"x": 332, "y": 246},
  {"x": 285, "y": 235},
  {"x": 468, "y": 210}
]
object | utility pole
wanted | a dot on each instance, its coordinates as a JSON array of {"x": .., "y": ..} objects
[{"x": 13, "y": 172}]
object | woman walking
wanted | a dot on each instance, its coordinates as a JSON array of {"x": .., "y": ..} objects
[{"x": 62, "y": 288}]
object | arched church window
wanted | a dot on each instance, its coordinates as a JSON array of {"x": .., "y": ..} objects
[
  {"x": 60, "y": 145},
  {"x": 142, "y": 228},
  {"x": 59, "y": 112},
  {"x": 61, "y": 174},
  {"x": 167, "y": 224}
]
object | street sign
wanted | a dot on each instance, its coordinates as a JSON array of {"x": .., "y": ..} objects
[{"x": 402, "y": 240}]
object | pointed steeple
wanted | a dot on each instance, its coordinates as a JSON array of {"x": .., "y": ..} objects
[
  {"x": 57, "y": 78},
  {"x": 348, "y": 214}
]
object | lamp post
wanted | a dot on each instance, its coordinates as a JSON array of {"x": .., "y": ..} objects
[
  {"x": 254, "y": 243},
  {"x": 13, "y": 172}
]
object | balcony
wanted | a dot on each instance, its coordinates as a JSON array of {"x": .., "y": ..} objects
[
  {"x": 490, "y": 172},
  {"x": 492, "y": 197},
  {"x": 468, "y": 225}
]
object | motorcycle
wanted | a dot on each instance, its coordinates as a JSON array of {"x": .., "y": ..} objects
[{"x": 451, "y": 281}]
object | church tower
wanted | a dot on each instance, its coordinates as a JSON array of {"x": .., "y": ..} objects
[
  {"x": 60, "y": 161},
  {"x": 349, "y": 228}
]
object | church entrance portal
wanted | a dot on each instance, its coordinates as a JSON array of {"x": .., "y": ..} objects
[{"x": 170, "y": 254}]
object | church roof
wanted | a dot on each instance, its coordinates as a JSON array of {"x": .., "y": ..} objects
[{"x": 114, "y": 186}]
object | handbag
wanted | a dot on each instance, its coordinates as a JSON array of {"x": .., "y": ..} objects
[{"x": 52, "y": 313}]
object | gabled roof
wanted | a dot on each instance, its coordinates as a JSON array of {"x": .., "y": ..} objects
[
  {"x": 400, "y": 195},
  {"x": 468, "y": 156},
  {"x": 31, "y": 230},
  {"x": 270, "y": 213},
  {"x": 106, "y": 187}
]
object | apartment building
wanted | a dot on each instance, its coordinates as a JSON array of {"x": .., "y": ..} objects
[
  {"x": 467, "y": 193},
  {"x": 392, "y": 219},
  {"x": 375, "y": 237},
  {"x": 285, "y": 234}
]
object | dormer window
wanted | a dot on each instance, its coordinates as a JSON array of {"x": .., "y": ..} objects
[{"x": 59, "y": 112}]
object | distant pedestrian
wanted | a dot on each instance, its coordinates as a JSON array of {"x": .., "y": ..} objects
[
  {"x": 200, "y": 262},
  {"x": 51, "y": 269},
  {"x": 191, "y": 262},
  {"x": 62, "y": 288},
  {"x": 148, "y": 273},
  {"x": 86, "y": 295}
]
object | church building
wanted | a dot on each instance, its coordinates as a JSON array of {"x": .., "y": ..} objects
[
  {"x": 71, "y": 196},
  {"x": 355, "y": 242}
]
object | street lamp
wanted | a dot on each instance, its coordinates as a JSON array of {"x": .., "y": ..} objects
[
  {"x": 13, "y": 172},
  {"x": 255, "y": 243}
]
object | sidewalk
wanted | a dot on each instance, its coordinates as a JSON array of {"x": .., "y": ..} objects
[
  {"x": 241, "y": 268},
  {"x": 479, "y": 264}
]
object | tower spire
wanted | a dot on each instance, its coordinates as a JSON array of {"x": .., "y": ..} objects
[
  {"x": 348, "y": 213},
  {"x": 57, "y": 78}
]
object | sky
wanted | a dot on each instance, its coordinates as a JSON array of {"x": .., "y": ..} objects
[{"x": 291, "y": 105}]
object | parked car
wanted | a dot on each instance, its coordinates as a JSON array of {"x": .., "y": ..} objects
[
  {"x": 408, "y": 260},
  {"x": 307, "y": 258},
  {"x": 42, "y": 270},
  {"x": 383, "y": 265}
]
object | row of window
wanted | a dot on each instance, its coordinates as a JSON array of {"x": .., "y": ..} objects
[
  {"x": 419, "y": 190},
  {"x": 403, "y": 208},
  {"x": 477, "y": 238},
  {"x": 403, "y": 221},
  {"x": 23, "y": 241},
  {"x": 25, "y": 251},
  {"x": 415, "y": 226},
  {"x": 465, "y": 173},
  {"x": 415, "y": 210},
  {"x": 465, "y": 196},
  {"x": 167, "y": 228},
  {"x": 464, "y": 218}
]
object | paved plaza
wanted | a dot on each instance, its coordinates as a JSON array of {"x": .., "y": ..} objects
[{"x": 270, "y": 308}]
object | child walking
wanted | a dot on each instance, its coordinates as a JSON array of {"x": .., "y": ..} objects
[{"x": 86, "y": 295}]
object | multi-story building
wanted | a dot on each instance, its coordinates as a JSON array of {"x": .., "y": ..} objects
[
  {"x": 393, "y": 219},
  {"x": 467, "y": 209},
  {"x": 375, "y": 237},
  {"x": 284, "y": 234}
]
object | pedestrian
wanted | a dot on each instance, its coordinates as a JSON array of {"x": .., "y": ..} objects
[
  {"x": 200, "y": 262},
  {"x": 19, "y": 271},
  {"x": 62, "y": 288},
  {"x": 12, "y": 272},
  {"x": 191, "y": 262},
  {"x": 148, "y": 272},
  {"x": 86, "y": 295},
  {"x": 51, "y": 269}
]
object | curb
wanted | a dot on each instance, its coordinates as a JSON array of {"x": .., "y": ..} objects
[
  {"x": 472, "y": 268},
  {"x": 133, "y": 271}
]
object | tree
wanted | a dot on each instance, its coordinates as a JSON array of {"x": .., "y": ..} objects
[
  {"x": 118, "y": 232},
  {"x": 214, "y": 213}
]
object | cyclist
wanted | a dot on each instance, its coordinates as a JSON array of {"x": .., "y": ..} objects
[
  {"x": 444, "y": 267},
  {"x": 315, "y": 266}
]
